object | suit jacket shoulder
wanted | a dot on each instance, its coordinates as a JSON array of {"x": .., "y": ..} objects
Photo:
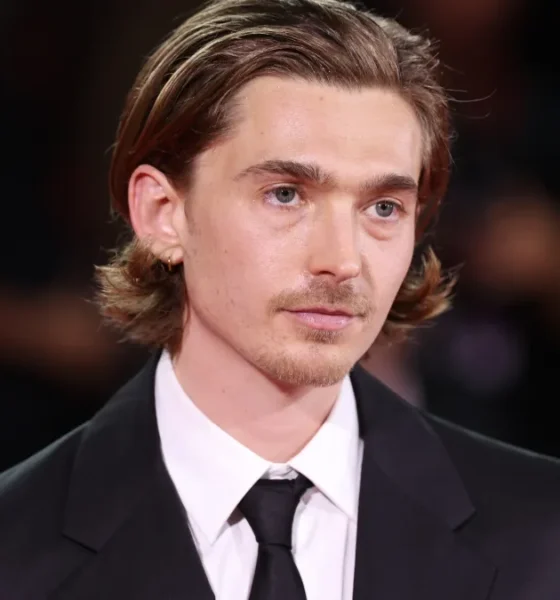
[
  {"x": 512, "y": 487},
  {"x": 32, "y": 500},
  {"x": 501, "y": 503},
  {"x": 62, "y": 511}
]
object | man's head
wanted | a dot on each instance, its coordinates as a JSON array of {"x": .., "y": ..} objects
[{"x": 283, "y": 155}]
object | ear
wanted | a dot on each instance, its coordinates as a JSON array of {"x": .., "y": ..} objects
[{"x": 156, "y": 213}]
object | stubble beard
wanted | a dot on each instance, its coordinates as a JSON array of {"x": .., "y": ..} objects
[{"x": 321, "y": 365}]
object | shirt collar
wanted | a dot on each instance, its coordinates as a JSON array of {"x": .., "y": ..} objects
[
  {"x": 331, "y": 459},
  {"x": 212, "y": 471}
]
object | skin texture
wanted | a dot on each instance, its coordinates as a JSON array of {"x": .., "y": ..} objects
[{"x": 308, "y": 203}]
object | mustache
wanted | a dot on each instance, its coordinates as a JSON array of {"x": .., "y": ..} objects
[{"x": 325, "y": 294}]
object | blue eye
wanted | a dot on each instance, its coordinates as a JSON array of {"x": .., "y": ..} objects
[
  {"x": 385, "y": 209},
  {"x": 284, "y": 195}
]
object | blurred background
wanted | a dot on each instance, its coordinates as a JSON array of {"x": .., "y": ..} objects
[{"x": 491, "y": 364}]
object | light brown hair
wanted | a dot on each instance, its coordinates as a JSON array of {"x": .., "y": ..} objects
[{"x": 181, "y": 103}]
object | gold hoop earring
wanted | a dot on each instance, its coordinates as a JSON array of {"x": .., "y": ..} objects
[{"x": 169, "y": 265}]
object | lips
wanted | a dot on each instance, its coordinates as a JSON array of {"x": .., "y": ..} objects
[{"x": 323, "y": 318}]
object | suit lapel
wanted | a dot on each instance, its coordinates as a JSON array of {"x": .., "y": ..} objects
[
  {"x": 123, "y": 507},
  {"x": 411, "y": 506}
]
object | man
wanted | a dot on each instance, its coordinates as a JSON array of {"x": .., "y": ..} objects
[{"x": 277, "y": 160}]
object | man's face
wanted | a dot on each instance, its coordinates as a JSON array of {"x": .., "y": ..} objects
[{"x": 301, "y": 227}]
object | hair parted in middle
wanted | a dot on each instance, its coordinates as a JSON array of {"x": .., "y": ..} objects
[{"x": 183, "y": 101}]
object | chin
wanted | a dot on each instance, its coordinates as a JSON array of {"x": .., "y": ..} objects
[{"x": 315, "y": 367}]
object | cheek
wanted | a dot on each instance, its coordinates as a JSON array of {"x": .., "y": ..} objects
[
  {"x": 389, "y": 264},
  {"x": 235, "y": 262},
  {"x": 260, "y": 249}
]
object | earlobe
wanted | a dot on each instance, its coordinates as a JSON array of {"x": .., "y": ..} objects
[{"x": 153, "y": 203}]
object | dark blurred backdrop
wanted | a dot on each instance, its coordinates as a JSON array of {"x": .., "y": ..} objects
[{"x": 491, "y": 364}]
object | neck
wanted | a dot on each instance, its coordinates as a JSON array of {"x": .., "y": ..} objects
[{"x": 272, "y": 420}]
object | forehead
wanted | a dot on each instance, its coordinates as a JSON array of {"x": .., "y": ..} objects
[{"x": 352, "y": 133}]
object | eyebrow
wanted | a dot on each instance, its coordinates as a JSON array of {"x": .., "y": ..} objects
[{"x": 313, "y": 173}]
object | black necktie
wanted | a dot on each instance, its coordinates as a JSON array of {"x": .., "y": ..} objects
[{"x": 269, "y": 507}]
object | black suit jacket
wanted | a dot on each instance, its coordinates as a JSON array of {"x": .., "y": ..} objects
[{"x": 443, "y": 514}]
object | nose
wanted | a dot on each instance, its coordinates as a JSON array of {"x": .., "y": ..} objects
[{"x": 334, "y": 245}]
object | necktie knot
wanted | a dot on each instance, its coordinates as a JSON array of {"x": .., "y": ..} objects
[{"x": 269, "y": 507}]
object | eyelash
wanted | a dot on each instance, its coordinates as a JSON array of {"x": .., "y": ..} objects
[{"x": 397, "y": 205}]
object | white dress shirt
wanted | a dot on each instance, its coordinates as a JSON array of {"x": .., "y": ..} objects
[{"x": 212, "y": 472}]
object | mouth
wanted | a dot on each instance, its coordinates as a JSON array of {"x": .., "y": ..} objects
[{"x": 326, "y": 318}]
